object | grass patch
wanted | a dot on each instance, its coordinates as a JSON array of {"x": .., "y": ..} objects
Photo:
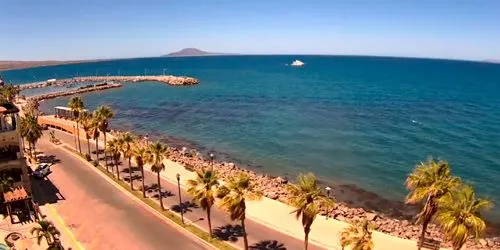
[{"x": 171, "y": 216}]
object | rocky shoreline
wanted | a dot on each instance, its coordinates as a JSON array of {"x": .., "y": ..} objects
[
  {"x": 391, "y": 217},
  {"x": 167, "y": 79}
]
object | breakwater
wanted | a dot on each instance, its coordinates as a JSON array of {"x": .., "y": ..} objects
[
  {"x": 84, "y": 89},
  {"x": 167, "y": 79}
]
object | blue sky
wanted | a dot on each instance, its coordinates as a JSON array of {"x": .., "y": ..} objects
[{"x": 71, "y": 29}]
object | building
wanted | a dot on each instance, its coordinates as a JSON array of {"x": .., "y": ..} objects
[{"x": 14, "y": 176}]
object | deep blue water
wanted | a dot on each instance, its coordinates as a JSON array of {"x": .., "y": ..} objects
[{"x": 361, "y": 120}]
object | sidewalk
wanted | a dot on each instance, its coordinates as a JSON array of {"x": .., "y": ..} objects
[
  {"x": 67, "y": 238},
  {"x": 278, "y": 216}
]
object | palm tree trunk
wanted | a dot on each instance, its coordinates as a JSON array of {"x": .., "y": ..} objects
[
  {"x": 78, "y": 137},
  {"x": 88, "y": 147},
  {"x": 245, "y": 240},
  {"x": 160, "y": 195},
  {"x": 105, "y": 154},
  {"x": 117, "y": 168},
  {"x": 97, "y": 151},
  {"x": 143, "y": 185},
  {"x": 209, "y": 222},
  {"x": 424, "y": 229},
  {"x": 130, "y": 174},
  {"x": 306, "y": 236}
]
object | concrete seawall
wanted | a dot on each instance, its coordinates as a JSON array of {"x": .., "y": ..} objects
[
  {"x": 169, "y": 79},
  {"x": 97, "y": 87}
]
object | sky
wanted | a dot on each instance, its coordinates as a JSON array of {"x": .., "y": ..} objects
[{"x": 92, "y": 29}]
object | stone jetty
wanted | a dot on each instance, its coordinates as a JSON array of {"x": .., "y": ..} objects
[
  {"x": 167, "y": 79},
  {"x": 84, "y": 89}
]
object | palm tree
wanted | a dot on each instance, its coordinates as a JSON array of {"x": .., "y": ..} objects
[
  {"x": 234, "y": 194},
  {"x": 139, "y": 152},
  {"x": 32, "y": 106},
  {"x": 76, "y": 105},
  {"x": 128, "y": 140},
  {"x": 8, "y": 93},
  {"x": 459, "y": 215},
  {"x": 429, "y": 181},
  {"x": 45, "y": 229},
  {"x": 358, "y": 236},
  {"x": 6, "y": 183},
  {"x": 115, "y": 147},
  {"x": 204, "y": 189},
  {"x": 156, "y": 154},
  {"x": 94, "y": 132},
  {"x": 104, "y": 113},
  {"x": 307, "y": 198},
  {"x": 86, "y": 121},
  {"x": 31, "y": 130}
]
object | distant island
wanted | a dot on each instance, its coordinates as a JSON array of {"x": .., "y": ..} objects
[{"x": 194, "y": 52}]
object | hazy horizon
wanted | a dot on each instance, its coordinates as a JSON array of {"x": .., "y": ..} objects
[{"x": 62, "y": 30}]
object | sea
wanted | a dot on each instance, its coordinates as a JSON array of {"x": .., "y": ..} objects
[{"x": 365, "y": 121}]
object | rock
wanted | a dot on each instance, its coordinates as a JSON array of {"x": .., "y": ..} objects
[
  {"x": 490, "y": 243},
  {"x": 483, "y": 242},
  {"x": 281, "y": 180},
  {"x": 371, "y": 216}
]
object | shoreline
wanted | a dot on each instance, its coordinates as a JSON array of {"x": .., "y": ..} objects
[{"x": 390, "y": 216}]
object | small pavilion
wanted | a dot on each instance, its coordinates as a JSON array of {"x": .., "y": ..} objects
[
  {"x": 15, "y": 200},
  {"x": 64, "y": 112}
]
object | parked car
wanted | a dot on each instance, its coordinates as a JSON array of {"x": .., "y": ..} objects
[{"x": 42, "y": 170}]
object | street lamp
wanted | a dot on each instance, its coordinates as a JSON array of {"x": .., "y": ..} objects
[
  {"x": 212, "y": 161},
  {"x": 178, "y": 176},
  {"x": 328, "y": 189}
]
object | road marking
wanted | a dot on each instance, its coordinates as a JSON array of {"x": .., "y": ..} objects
[
  {"x": 65, "y": 228},
  {"x": 140, "y": 202}
]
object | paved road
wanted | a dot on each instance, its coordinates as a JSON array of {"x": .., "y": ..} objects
[
  {"x": 100, "y": 215},
  {"x": 259, "y": 236}
]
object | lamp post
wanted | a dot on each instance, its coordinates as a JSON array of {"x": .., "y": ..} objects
[
  {"x": 328, "y": 189},
  {"x": 178, "y": 176},
  {"x": 212, "y": 161}
]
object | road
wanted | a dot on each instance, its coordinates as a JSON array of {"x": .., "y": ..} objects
[
  {"x": 100, "y": 215},
  {"x": 259, "y": 235}
]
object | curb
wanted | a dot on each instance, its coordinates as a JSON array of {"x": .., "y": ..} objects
[
  {"x": 142, "y": 204},
  {"x": 68, "y": 231}
]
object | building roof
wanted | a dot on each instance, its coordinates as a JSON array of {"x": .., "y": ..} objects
[
  {"x": 15, "y": 194},
  {"x": 65, "y": 108},
  {"x": 8, "y": 108}
]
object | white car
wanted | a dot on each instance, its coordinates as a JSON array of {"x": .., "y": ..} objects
[{"x": 42, "y": 170}]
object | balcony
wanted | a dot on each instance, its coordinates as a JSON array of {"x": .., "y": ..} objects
[{"x": 9, "y": 153}]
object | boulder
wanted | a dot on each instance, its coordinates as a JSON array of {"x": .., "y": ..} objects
[
  {"x": 371, "y": 216},
  {"x": 483, "y": 242}
]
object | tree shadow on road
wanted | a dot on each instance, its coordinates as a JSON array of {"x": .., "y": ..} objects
[
  {"x": 268, "y": 245},
  {"x": 187, "y": 206},
  {"x": 44, "y": 191},
  {"x": 228, "y": 232}
]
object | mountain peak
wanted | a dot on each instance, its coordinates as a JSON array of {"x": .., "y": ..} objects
[{"x": 193, "y": 52}]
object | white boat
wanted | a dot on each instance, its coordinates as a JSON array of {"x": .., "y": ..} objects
[{"x": 297, "y": 63}]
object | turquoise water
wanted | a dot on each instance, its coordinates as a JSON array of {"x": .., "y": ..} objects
[{"x": 361, "y": 120}]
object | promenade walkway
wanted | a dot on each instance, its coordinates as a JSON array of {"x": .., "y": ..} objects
[{"x": 274, "y": 214}]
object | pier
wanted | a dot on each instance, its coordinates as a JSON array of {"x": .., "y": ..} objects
[
  {"x": 84, "y": 89},
  {"x": 167, "y": 79}
]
